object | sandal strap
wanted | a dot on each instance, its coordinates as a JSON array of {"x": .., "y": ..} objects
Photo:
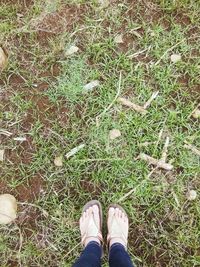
[
  {"x": 122, "y": 237},
  {"x": 85, "y": 236}
]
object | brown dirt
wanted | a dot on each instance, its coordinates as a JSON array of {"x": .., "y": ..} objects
[
  {"x": 22, "y": 153},
  {"x": 48, "y": 25},
  {"x": 30, "y": 190}
]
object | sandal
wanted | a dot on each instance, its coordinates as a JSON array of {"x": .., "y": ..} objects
[
  {"x": 117, "y": 227},
  {"x": 91, "y": 230}
]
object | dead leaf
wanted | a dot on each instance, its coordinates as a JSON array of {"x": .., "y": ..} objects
[
  {"x": 175, "y": 58},
  {"x": 2, "y": 154},
  {"x": 114, "y": 133},
  {"x": 74, "y": 151},
  {"x": 58, "y": 161},
  {"x": 91, "y": 85},
  {"x": 118, "y": 39},
  {"x": 3, "y": 59},
  {"x": 196, "y": 113},
  {"x": 71, "y": 50},
  {"x": 8, "y": 208},
  {"x": 191, "y": 195}
]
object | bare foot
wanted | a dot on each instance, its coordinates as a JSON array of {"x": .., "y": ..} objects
[
  {"x": 117, "y": 226},
  {"x": 90, "y": 225}
]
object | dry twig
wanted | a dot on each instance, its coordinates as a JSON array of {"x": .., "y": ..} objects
[
  {"x": 131, "y": 105},
  {"x": 159, "y": 163},
  {"x": 156, "y": 162},
  {"x": 138, "y": 108}
]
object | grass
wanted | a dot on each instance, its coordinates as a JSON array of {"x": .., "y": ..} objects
[{"x": 42, "y": 98}]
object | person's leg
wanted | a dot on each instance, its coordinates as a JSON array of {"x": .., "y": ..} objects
[
  {"x": 118, "y": 237},
  {"x": 91, "y": 236},
  {"x": 118, "y": 256},
  {"x": 91, "y": 256}
]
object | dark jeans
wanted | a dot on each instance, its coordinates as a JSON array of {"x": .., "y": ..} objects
[{"x": 91, "y": 256}]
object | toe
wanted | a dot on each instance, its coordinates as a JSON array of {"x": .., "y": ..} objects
[
  {"x": 95, "y": 209},
  {"x": 117, "y": 212},
  {"x": 90, "y": 210},
  {"x": 111, "y": 211}
]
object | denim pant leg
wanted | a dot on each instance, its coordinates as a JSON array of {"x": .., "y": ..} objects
[
  {"x": 118, "y": 256},
  {"x": 90, "y": 257}
]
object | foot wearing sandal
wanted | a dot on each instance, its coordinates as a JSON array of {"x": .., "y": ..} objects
[
  {"x": 91, "y": 223},
  {"x": 117, "y": 226}
]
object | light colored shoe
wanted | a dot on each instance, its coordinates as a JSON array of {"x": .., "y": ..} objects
[
  {"x": 118, "y": 225},
  {"x": 91, "y": 223}
]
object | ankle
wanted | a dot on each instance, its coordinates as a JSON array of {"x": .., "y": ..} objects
[
  {"x": 91, "y": 239},
  {"x": 117, "y": 240}
]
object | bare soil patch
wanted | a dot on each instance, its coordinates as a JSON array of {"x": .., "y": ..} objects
[{"x": 31, "y": 190}]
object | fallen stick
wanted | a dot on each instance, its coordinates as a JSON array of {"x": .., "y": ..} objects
[
  {"x": 164, "y": 152},
  {"x": 131, "y": 105},
  {"x": 156, "y": 162},
  {"x": 4, "y": 132}
]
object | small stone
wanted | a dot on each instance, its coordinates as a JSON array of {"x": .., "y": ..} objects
[
  {"x": 191, "y": 195},
  {"x": 20, "y": 139},
  {"x": 115, "y": 133},
  {"x": 175, "y": 58},
  {"x": 3, "y": 59},
  {"x": 104, "y": 3},
  {"x": 2, "y": 151},
  {"x": 91, "y": 85},
  {"x": 196, "y": 114},
  {"x": 8, "y": 208},
  {"x": 58, "y": 161},
  {"x": 71, "y": 50},
  {"x": 118, "y": 39}
]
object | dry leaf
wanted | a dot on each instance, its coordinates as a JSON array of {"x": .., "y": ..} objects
[
  {"x": 71, "y": 50},
  {"x": 175, "y": 58},
  {"x": 8, "y": 208},
  {"x": 74, "y": 151},
  {"x": 196, "y": 113},
  {"x": 114, "y": 134},
  {"x": 91, "y": 85},
  {"x": 3, "y": 59},
  {"x": 58, "y": 161},
  {"x": 118, "y": 39},
  {"x": 191, "y": 195},
  {"x": 2, "y": 154}
]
